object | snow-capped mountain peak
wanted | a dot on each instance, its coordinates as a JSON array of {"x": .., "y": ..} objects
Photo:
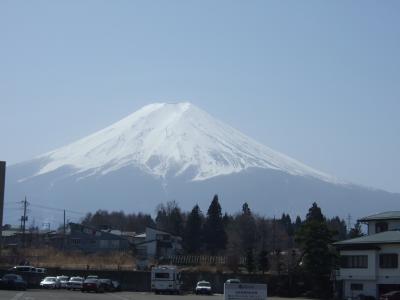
[{"x": 165, "y": 140}]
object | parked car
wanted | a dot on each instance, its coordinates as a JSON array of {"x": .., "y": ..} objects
[
  {"x": 92, "y": 277},
  {"x": 203, "y": 287},
  {"x": 394, "y": 295},
  {"x": 40, "y": 270},
  {"x": 28, "y": 269},
  {"x": 75, "y": 283},
  {"x": 107, "y": 284},
  {"x": 233, "y": 280},
  {"x": 50, "y": 283},
  {"x": 90, "y": 285},
  {"x": 63, "y": 281},
  {"x": 13, "y": 281}
]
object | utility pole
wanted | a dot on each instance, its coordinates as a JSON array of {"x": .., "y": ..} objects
[
  {"x": 24, "y": 218},
  {"x": 2, "y": 186},
  {"x": 64, "y": 231},
  {"x": 348, "y": 223}
]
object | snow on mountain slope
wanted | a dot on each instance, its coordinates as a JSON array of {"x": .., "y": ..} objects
[{"x": 167, "y": 140}]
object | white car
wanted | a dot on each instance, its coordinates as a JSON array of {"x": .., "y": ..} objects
[
  {"x": 203, "y": 287},
  {"x": 50, "y": 283}
]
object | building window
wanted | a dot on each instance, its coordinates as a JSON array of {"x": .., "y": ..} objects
[
  {"x": 356, "y": 286},
  {"x": 381, "y": 227},
  {"x": 388, "y": 261},
  {"x": 75, "y": 241},
  {"x": 354, "y": 261}
]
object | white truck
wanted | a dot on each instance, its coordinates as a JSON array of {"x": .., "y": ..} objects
[{"x": 165, "y": 279}]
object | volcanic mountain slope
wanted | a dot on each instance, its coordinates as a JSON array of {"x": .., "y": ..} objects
[{"x": 178, "y": 151}]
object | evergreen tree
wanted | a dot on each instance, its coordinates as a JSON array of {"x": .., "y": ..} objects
[
  {"x": 250, "y": 260},
  {"x": 247, "y": 228},
  {"x": 315, "y": 238},
  {"x": 169, "y": 218},
  {"x": 286, "y": 221},
  {"x": 356, "y": 231},
  {"x": 338, "y": 228},
  {"x": 263, "y": 262},
  {"x": 214, "y": 232},
  {"x": 193, "y": 231}
]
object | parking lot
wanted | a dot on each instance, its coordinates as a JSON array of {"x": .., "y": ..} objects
[{"x": 38, "y": 294}]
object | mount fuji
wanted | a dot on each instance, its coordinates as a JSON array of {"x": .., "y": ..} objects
[{"x": 179, "y": 152}]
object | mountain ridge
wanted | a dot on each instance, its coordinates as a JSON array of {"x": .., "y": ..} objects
[{"x": 163, "y": 136}]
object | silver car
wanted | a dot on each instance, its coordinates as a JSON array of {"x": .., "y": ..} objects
[
  {"x": 75, "y": 283},
  {"x": 63, "y": 281},
  {"x": 50, "y": 283}
]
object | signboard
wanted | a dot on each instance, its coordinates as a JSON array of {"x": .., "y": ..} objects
[{"x": 245, "y": 291}]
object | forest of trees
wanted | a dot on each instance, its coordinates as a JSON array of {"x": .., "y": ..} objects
[{"x": 244, "y": 233}]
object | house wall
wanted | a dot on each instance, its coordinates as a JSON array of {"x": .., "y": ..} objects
[
  {"x": 91, "y": 240},
  {"x": 389, "y": 276},
  {"x": 151, "y": 246},
  {"x": 369, "y": 288},
  {"x": 372, "y": 276},
  {"x": 392, "y": 225},
  {"x": 363, "y": 274}
]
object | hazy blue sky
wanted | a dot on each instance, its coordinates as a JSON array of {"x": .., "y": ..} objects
[{"x": 316, "y": 80}]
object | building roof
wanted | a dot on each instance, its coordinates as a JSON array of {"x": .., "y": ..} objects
[
  {"x": 387, "y": 237},
  {"x": 387, "y": 215}
]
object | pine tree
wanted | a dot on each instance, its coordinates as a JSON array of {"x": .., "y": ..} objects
[
  {"x": 247, "y": 229},
  {"x": 193, "y": 231},
  {"x": 214, "y": 232},
  {"x": 356, "y": 231},
  {"x": 250, "y": 260},
  {"x": 263, "y": 262},
  {"x": 315, "y": 238}
]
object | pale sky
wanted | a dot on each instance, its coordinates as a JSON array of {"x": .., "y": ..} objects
[{"x": 316, "y": 80}]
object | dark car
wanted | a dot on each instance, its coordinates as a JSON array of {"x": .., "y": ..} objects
[
  {"x": 394, "y": 295},
  {"x": 92, "y": 285},
  {"x": 107, "y": 285},
  {"x": 13, "y": 281}
]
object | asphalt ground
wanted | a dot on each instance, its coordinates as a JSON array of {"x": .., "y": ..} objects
[{"x": 39, "y": 294}]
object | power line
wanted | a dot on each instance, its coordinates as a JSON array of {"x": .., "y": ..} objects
[{"x": 57, "y": 209}]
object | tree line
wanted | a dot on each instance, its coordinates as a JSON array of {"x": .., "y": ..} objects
[{"x": 216, "y": 233}]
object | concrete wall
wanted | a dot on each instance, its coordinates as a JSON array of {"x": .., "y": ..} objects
[
  {"x": 369, "y": 289},
  {"x": 363, "y": 274}
]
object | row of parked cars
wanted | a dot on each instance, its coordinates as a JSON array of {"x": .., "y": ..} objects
[
  {"x": 91, "y": 283},
  {"x": 13, "y": 282}
]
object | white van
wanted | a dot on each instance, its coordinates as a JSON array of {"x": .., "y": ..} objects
[{"x": 165, "y": 279}]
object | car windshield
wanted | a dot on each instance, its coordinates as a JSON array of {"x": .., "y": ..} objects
[
  {"x": 51, "y": 279},
  {"x": 76, "y": 279},
  {"x": 91, "y": 281},
  {"x": 207, "y": 284},
  {"x": 62, "y": 277}
]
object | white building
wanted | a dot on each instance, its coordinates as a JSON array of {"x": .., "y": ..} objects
[
  {"x": 370, "y": 264},
  {"x": 156, "y": 245}
]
